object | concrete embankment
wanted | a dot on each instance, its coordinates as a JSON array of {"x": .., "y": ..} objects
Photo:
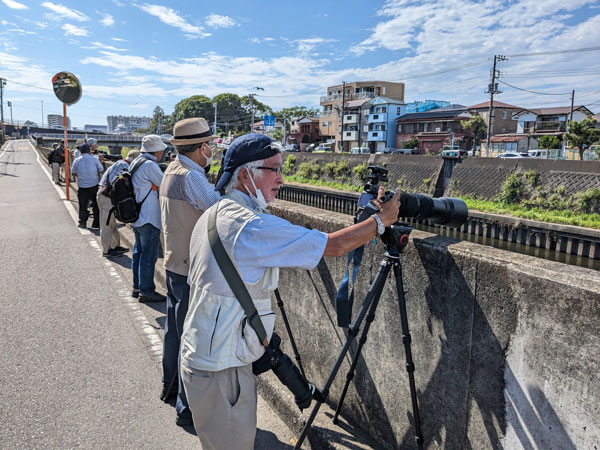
[{"x": 506, "y": 346}]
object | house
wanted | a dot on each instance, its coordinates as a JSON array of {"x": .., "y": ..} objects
[
  {"x": 339, "y": 101},
  {"x": 548, "y": 121},
  {"x": 259, "y": 127},
  {"x": 434, "y": 129},
  {"x": 519, "y": 143},
  {"x": 381, "y": 122},
  {"x": 307, "y": 131},
  {"x": 503, "y": 113}
]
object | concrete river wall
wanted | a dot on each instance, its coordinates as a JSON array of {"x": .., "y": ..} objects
[{"x": 506, "y": 346}]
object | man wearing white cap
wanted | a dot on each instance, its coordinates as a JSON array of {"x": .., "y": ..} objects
[
  {"x": 109, "y": 233},
  {"x": 185, "y": 194},
  {"x": 146, "y": 180}
]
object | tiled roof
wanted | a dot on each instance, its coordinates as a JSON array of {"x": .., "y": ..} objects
[
  {"x": 555, "y": 110},
  {"x": 496, "y": 105},
  {"x": 433, "y": 114}
]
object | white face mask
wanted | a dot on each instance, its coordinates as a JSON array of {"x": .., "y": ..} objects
[
  {"x": 208, "y": 159},
  {"x": 259, "y": 198}
]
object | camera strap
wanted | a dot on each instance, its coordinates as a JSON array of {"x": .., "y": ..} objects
[
  {"x": 233, "y": 278},
  {"x": 343, "y": 303}
]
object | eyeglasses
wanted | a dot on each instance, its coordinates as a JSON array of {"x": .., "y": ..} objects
[{"x": 277, "y": 170}]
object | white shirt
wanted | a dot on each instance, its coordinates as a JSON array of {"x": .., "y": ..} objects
[
  {"x": 88, "y": 170},
  {"x": 144, "y": 178}
]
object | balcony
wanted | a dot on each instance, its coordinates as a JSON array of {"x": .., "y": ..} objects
[
  {"x": 359, "y": 95},
  {"x": 378, "y": 117},
  {"x": 550, "y": 126},
  {"x": 377, "y": 136},
  {"x": 350, "y": 118},
  {"x": 332, "y": 97},
  {"x": 351, "y": 135}
]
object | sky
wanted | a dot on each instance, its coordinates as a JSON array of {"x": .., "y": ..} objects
[{"x": 133, "y": 56}]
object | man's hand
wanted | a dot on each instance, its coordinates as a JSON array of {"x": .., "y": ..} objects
[{"x": 388, "y": 211}]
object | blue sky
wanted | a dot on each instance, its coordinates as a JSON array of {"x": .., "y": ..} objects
[{"x": 132, "y": 56}]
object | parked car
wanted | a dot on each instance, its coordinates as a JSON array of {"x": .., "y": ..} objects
[
  {"x": 292, "y": 148},
  {"x": 323, "y": 148},
  {"x": 510, "y": 155},
  {"x": 360, "y": 151},
  {"x": 538, "y": 153},
  {"x": 311, "y": 147},
  {"x": 405, "y": 151},
  {"x": 456, "y": 153}
]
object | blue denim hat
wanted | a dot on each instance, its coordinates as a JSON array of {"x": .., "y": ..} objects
[
  {"x": 84, "y": 148},
  {"x": 246, "y": 148}
]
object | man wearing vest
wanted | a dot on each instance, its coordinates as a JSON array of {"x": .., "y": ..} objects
[
  {"x": 146, "y": 180},
  {"x": 218, "y": 346},
  {"x": 185, "y": 194}
]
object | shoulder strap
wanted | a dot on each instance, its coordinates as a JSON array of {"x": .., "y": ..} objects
[
  {"x": 233, "y": 278},
  {"x": 135, "y": 165}
]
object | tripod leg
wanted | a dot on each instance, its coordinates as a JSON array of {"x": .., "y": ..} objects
[
  {"x": 410, "y": 367},
  {"x": 361, "y": 342},
  {"x": 374, "y": 292},
  {"x": 289, "y": 332}
]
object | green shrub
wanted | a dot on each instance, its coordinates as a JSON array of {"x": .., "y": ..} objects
[
  {"x": 512, "y": 189},
  {"x": 342, "y": 170},
  {"x": 310, "y": 170},
  {"x": 532, "y": 177},
  {"x": 329, "y": 169},
  {"x": 289, "y": 166},
  {"x": 361, "y": 172},
  {"x": 587, "y": 202}
]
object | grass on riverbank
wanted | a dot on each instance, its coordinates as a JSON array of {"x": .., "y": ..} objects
[{"x": 563, "y": 217}]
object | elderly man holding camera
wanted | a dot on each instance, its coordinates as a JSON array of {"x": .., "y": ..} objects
[
  {"x": 185, "y": 194},
  {"x": 220, "y": 343}
]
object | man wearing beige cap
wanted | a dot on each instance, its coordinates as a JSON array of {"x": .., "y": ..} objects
[
  {"x": 146, "y": 180},
  {"x": 185, "y": 194}
]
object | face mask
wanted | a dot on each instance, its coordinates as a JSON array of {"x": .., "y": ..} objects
[
  {"x": 259, "y": 198},
  {"x": 208, "y": 160}
]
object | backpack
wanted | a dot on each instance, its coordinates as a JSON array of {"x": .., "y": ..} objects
[{"x": 122, "y": 195}]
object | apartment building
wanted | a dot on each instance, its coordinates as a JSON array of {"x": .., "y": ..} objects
[
  {"x": 57, "y": 121},
  {"x": 343, "y": 99},
  {"x": 548, "y": 121},
  {"x": 127, "y": 124}
]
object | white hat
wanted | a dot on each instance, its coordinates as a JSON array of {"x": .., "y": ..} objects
[
  {"x": 91, "y": 141},
  {"x": 152, "y": 143}
]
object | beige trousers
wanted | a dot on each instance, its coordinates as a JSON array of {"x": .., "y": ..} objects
[
  {"x": 223, "y": 406},
  {"x": 56, "y": 171},
  {"x": 109, "y": 235}
]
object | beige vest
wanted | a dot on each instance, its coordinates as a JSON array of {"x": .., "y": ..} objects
[
  {"x": 216, "y": 334},
  {"x": 178, "y": 218}
]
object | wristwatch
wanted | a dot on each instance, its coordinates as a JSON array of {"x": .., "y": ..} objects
[{"x": 380, "y": 225}]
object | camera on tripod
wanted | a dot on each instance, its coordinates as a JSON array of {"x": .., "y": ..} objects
[{"x": 447, "y": 211}]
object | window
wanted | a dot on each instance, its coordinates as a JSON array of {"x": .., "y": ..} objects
[
  {"x": 510, "y": 146},
  {"x": 483, "y": 115},
  {"x": 504, "y": 114},
  {"x": 398, "y": 111},
  {"x": 325, "y": 124}
]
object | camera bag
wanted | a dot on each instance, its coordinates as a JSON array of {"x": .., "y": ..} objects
[{"x": 122, "y": 195}]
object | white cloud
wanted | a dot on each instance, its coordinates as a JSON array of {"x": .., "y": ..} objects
[
  {"x": 20, "y": 31},
  {"x": 72, "y": 30},
  {"x": 269, "y": 39},
  {"x": 217, "y": 21},
  {"x": 172, "y": 18},
  {"x": 67, "y": 13},
  {"x": 254, "y": 40},
  {"x": 100, "y": 45},
  {"x": 14, "y": 5},
  {"x": 307, "y": 45},
  {"x": 119, "y": 40},
  {"x": 107, "y": 20}
]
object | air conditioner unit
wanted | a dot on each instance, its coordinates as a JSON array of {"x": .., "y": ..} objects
[{"x": 437, "y": 130}]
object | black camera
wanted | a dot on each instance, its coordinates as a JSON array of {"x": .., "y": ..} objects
[
  {"x": 287, "y": 372},
  {"x": 451, "y": 212}
]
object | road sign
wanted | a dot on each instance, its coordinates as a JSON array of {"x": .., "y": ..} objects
[{"x": 269, "y": 121}]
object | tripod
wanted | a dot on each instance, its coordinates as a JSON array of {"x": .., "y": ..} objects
[{"x": 395, "y": 239}]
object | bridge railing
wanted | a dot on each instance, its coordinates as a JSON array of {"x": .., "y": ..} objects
[{"x": 99, "y": 138}]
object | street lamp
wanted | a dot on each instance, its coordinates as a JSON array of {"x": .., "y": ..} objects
[{"x": 9, "y": 103}]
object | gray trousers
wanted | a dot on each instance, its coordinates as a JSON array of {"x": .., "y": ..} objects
[
  {"x": 109, "y": 234},
  {"x": 223, "y": 406},
  {"x": 56, "y": 171}
]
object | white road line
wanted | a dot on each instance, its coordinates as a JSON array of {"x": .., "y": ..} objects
[{"x": 152, "y": 338}]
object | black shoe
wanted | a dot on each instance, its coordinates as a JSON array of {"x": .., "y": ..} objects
[
  {"x": 82, "y": 225},
  {"x": 184, "y": 419},
  {"x": 135, "y": 293},
  {"x": 120, "y": 249},
  {"x": 111, "y": 254},
  {"x": 154, "y": 297},
  {"x": 95, "y": 226},
  {"x": 167, "y": 395}
]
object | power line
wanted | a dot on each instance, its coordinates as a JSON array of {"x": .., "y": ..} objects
[
  {"x": 527, "y": 90},
  {"x": 557, "y": 52}
]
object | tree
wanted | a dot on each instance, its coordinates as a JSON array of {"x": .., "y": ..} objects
[
  {"x": 296, "y": 111},
  {"x": 549, "y": 142},
  {"x": 477, "y": 126},
  {"x": 582, "y": 134},
  {"x": 230, "y": 111},
  {"x": 250, "y": 103},
  {"x": 158, "y": 120},
  {"x": 194, "y": 106},
  {"x": 411, "y": 143}
]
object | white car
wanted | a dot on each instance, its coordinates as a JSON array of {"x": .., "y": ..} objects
[{"x": 511, "y": 155}]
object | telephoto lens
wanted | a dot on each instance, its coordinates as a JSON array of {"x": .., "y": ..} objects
[{"x": 447, "y": 211}]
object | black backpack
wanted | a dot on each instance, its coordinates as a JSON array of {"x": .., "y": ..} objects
[{"x": 122, "y": 195}]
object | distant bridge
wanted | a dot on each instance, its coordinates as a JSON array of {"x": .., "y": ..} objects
[{"x": 103, "y": 139}]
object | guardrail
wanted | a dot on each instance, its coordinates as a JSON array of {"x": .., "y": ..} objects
[{"x": 99, "y": 138}]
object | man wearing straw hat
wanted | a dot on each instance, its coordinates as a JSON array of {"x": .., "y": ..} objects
[{"x": 185, "y": 194}]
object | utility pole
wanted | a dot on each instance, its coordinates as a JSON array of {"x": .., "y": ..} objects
[
  {"x": 492, "y": 89},
  {"x": 2, "y": 84},
  {"x": 343, "y": 102},
  {"x": 42, "y": 113},
  {"x": 215, "y": 130},
  {"x": 572, "y": 103},
  {"x": 252, "y": 110},
  {"x": 9, "y": 103}
]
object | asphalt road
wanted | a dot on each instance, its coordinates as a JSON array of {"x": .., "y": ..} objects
[{"x": 79, "y": 359}]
